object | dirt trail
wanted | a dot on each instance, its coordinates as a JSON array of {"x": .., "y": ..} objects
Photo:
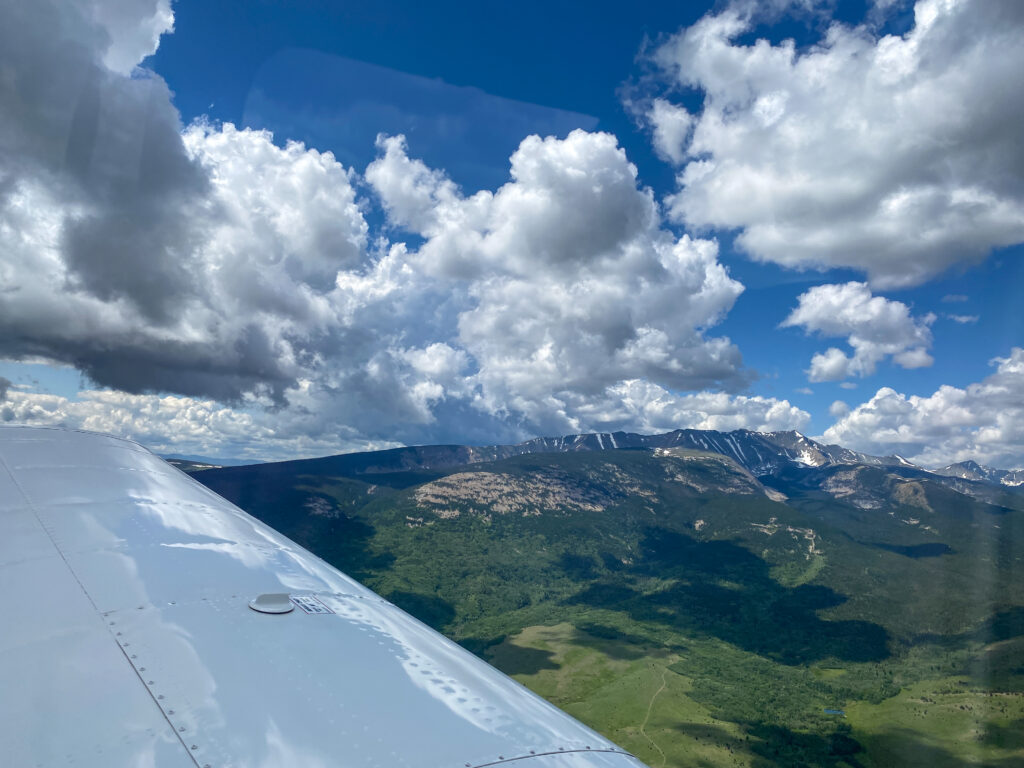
[{"x": 643, "y": 725}]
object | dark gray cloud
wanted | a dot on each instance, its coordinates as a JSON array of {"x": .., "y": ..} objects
[{"x": 108, "y": 148}]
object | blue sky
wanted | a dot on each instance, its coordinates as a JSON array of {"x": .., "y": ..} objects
[
  {"x": 810, "y": 145},
  {"x": 333, "y": 76}
]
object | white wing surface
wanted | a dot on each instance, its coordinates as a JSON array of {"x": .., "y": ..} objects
[{"x": 126, "y": 637}]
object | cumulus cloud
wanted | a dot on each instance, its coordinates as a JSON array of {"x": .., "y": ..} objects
[
  {"x": 838, "y": 409},
  {"x": 646, "y": 407},
  {"x": 571, "y": 285},
  {"x": 241, "y": 275},
  {"x": 234, "y": 304},
  {"x": 895, "y": 155},
  {"x": 875, "y": 327},
  {"x": 983, "y": 421}
]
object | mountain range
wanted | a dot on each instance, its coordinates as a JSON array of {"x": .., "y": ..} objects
[
  {"x": 971, "y": 470},
  {"x": 759, "y": 452}
]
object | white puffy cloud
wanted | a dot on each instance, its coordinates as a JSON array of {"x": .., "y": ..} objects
[
  {"x": 170, "y": 424},
  {"x": 671, "y": 127},
  {"x": 287, "y": 213},
  {"x": 413, "y": 194},
  {"x": 241, "y": 274},
  {"x": 875, "y": 327},
  {"x": 570, "y": 203},
  {"x": 570, "y": 284},
  {"x": 983, "y": 421},
  {"x": 838, "y": 409},
  {"x": 646, "y": 407},
  {"x": 895, "y": 155},
  {"x": 830, "y": 365}
]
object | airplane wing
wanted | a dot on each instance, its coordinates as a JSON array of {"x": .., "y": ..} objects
[{"x": 148, "y": 622}]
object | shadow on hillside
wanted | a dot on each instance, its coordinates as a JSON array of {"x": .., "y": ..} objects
[
  {"x": 723, "y": 590},
  {"x": 516, "y": 660},
  {"x": 915, "y": 551},
  {"x": 999, "y": 626},
  {"x": 479, "y": 646},
  {"x": 1004, "y": 736},
  {"x": 578, "y": 567},
  {"x": 901, "y": 746},
  {"x": 615, "y": 643},
  {"x": 774, "y": 746},
  {"x": 431, "y": 610}
]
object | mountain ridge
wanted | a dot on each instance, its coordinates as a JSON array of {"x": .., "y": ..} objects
[{"x": 972, "y": 470}]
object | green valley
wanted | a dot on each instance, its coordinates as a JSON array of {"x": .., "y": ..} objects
[{"x": 695, "y": 611}]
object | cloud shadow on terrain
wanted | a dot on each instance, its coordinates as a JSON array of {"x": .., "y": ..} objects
[
  {"x": 516, "y": 660},
  {"x": 901, "y": 746},
  {"x": 431, "y": 610},
  {"x": 616, "y": 644},
  {"x": 578, "y": 567},
  {"x": 1000, "y": 626},
  {"x": 721, "y": 589},
  {"x": 1004, "y": 736},
  {"x": 915, "y": 551},
  {"x": 775, "y": 746}
]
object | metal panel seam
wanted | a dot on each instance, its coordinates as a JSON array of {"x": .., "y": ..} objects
[
  {"x": 548, "y": 754},
  {"x": 31, "y": 506}
]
